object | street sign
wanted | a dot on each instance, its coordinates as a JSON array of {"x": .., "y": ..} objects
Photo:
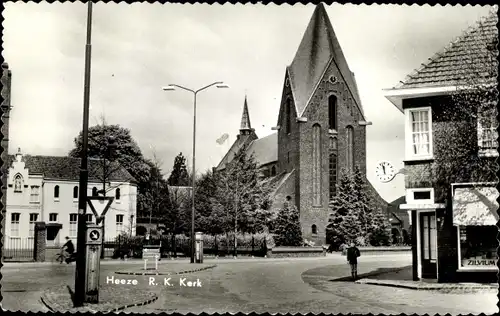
[
  {"x": 94, "y": 235},
  {"x": 110, "y": 200}
]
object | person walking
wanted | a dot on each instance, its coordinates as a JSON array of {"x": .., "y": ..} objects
[{"x": 352, "y": 258}]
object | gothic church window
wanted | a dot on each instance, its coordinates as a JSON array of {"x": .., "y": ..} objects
[
  {"x": 18, "y": 183},
  {"x": 314, "y": 229},
  {"x": 332, "y": 112},
  {"x": 288, "y": 116},
  {"x": 333, "y": 174},
  {"x": 350, "y": 148},
  {"x": 316, "y": 165}
]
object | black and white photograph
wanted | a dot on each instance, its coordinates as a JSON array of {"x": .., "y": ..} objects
[{"x": 224, "y": 158}]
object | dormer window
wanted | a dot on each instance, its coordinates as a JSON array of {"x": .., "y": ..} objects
[{"x": 18, "y": 183}]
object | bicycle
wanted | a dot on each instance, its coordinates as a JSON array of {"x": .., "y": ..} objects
[{"x": 60, "y": 257}]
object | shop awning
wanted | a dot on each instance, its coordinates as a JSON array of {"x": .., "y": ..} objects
[{"x": 475, "y": 206}]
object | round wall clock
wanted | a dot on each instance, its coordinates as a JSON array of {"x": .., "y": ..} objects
[{"x": 385, "y": 171}]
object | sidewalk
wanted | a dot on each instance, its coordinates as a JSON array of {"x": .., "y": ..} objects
[
  {"x": 166, "y": 269},
  {"x": 60, "y": 299},
  {"x": 402, "y": 278}
]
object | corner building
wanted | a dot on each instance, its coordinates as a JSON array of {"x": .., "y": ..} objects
[{"x": 321, "y": 128}]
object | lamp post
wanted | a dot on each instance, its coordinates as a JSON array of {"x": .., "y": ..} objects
[
  {"x": 172, "y": 87},
  {"x": 79, "y": 296}
]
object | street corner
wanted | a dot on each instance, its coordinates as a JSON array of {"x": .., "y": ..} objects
[
  {"x": 166, "y": 269},
  {"x": 60, "y": 299}
]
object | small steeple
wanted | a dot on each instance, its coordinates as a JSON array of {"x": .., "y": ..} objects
[{"x": 245, "y": 127}]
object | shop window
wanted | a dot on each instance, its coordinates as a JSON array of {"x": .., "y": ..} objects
[{"x": 478, "y": 247}]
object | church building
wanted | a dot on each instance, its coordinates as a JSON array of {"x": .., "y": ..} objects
[{"x": 321, "y": 129}]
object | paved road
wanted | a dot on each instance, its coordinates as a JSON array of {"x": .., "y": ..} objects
[{"x": 264, "y": 285}]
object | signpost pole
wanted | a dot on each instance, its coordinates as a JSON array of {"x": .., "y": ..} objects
[{"x": 79, "y": 295}]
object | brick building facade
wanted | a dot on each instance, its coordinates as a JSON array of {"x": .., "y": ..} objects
[
  {"x": 450, "y": 160},
  {"x": 321, "y": 129}
]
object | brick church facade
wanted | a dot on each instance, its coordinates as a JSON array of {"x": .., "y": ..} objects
[{"x": 321, "y": 129}]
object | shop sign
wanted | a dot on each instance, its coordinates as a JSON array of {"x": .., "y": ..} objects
[{"x": 477, "y": 263}]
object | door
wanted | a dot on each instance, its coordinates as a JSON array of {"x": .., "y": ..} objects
[{"x": 428, "y": 250}]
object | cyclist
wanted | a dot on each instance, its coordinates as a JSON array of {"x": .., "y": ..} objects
[{"x": 70, "y": 250}]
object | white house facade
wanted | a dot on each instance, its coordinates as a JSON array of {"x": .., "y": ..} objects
[{"x": 45, "y": 189}]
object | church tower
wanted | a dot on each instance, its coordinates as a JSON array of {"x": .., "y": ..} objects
[{"x": 321, "y": 124}]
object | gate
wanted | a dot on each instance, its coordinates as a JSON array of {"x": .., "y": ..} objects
[{"x": 18, "y": 249}]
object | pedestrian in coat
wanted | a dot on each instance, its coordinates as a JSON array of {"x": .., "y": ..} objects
[{"x": 352, "y": 258}]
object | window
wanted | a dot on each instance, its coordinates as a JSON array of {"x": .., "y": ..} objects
[
  {"x": 350, "y": 147},
  {"x": 419, "y": 133},
  {"x": 288, "y": 116},
  {"x": 35, "y": 194},
  {"x": 332, "y": 112},
  {"x": 478, "y": 247},
  {"x": 273, "y": 171},
  {"x": 333, "y": 143},
  {"x": 18, "y": 183},
  {"x": 88, "y": 218},
  {"x": 53, "y": 217},
  {"x": 288, "y": 157},
  {"x": 56, "y": 192},
  {"x": 14, "y": 224},
  {"x": 94, "y": 191},
  {"x": 333, "y": 174},
  {"x": 75, "y": 192},
  {"x": 316, "y": 165},
  {"x": 119, "y": 224},
  {"x": 314, "y": 229},
  {"x": 33, "y": 219},
  {"x": 73, "y": 223},
  {"x": 420, "y": 196},
  {"x": 487, "y": 139},
  {"x": 117, "y": 194}
]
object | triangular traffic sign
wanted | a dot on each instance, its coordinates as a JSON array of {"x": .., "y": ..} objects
[{"x": 110, "y": 200}]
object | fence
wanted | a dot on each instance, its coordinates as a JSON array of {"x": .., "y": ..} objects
[
  {"x": 179, "y": 246},
  {"x": 18, "y": 249}
]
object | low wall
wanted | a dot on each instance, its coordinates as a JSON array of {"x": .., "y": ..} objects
[
  {"x": 372, "y": 251},
  {"x": 284, "y": 252}
]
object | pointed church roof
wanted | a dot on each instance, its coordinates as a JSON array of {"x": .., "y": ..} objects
[
  {"x": 319, "y": 47},
  {"x": 245, "y": 118}
]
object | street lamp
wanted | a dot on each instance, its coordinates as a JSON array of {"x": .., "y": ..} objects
[{"x": 172, "y": 87}]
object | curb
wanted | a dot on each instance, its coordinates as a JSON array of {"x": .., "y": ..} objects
[
  {"x": 166, "y": 273},
  {"x": 89, "y": 309},
  {"x": 424, "y": 287}
]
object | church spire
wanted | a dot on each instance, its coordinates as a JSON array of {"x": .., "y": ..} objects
[{"x": 245, "y": 127}]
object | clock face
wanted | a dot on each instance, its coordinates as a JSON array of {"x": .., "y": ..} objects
[{"x": 385, "y": 171}]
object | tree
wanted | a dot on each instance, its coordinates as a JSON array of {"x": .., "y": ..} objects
[
  {"x": 241, "y": 195},
  {"x": 471, "y": 106},
  {"x": 343, "y": 223},
  {"x": 365, "y": 204},
  {"x": 380, "y": 230},
  {"x": 287, "y": 227},
  {"x": 179, "y": 175}
]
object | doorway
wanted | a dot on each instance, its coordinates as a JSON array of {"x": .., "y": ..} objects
[{"x": 428, "y": 246}]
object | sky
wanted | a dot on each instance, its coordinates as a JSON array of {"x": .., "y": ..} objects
[{"x": 139, "y": 48}]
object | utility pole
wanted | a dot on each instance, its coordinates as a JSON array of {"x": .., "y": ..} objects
[{"x": 79, "y": 296}]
